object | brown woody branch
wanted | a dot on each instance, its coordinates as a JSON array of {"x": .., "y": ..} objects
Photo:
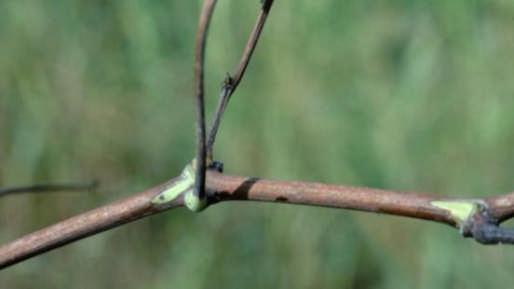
[
  {"x": 476, "y": 218},
  {"x": 481, "y": 224},
  {"x": 83, "y": 225}
]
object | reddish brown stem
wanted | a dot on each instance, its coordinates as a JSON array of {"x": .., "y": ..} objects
[
  {"x": 224, "y": 188},
  {"x": 229, "y": 188},
  {"x": 316, "y": 194},
  {"x": 501, "y": 207},
  {"x": 83, "y": 225}
]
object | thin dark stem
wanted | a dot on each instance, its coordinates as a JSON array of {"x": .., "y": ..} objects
[
  {"x": 220, "y": 110},
  {"x": 232, "y": 81},
  {"x": 201, "y": 40},
  {"x": 45, "y": 188}
]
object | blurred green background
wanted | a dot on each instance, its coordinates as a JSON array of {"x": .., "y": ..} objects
[{"x": 407, "y": 95}]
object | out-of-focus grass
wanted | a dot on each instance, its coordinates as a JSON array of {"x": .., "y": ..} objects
[{"x": 410, "y": 95}]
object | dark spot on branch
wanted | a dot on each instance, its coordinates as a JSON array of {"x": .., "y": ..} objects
[{"x": 241, "y": 193}]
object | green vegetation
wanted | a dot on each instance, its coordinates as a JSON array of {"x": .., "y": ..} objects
[{"x": 408, "y": 95}]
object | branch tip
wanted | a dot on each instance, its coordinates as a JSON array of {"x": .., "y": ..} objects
[{"x": 266, "y": 4}]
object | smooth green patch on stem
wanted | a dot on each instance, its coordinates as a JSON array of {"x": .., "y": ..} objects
[
  {"x": 183, "y": 186},
  {"x": 193, "y": 202},
  {"x": 460, "y": 210}
]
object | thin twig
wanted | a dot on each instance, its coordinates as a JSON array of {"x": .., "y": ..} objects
[
  {"x": 45, "y": 188},
  {"x": 231, "y": 82},
  {"x": 221, "y": 188},
  {"x": 201, "y": 41}
]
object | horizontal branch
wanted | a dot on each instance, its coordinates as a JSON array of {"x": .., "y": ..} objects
[
  {"x": 414, "y": 205},
  {"x": 474, "y": 217},
  {"x": 501, "y": 207}
]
